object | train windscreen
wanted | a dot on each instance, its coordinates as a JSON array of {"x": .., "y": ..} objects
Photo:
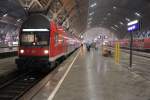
[{"x": 34, "y": 38}]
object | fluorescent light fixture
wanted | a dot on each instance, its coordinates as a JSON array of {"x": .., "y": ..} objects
[
  {"x": 133, "y": 22},
  {"x": 109, "y": 14},
  {"x": 127, "y": 19},
  {"x": 116, "y": 26},
  {"x": 95, "y": 39},
  {"x": 18, "y": 20},
  {"x": 114, "y": 7},
  {"x": 121, "y": 23},
  {"x": 28, "y": 30},
  {"x": 90, "y": 19},
  {"x": 5, "y": 15},
  {"x": 91, "y": 13},
  {"x": 89, "y": 22},
  {"x": 93, "y": 5},
  {"x": 99, "y": 37},
  {"x": 81, "y": 36},
  {"x": 137, "y": 14}
]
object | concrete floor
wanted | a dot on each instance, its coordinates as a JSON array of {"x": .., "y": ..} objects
[
  {"x": 94, "y": 77},
  {"x": 7, "y": 65},
  {"x": 141, "y": 65}
]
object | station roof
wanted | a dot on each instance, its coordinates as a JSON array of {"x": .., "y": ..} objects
[{"x": 83, "y": 14}]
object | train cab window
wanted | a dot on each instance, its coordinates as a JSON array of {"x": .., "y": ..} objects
[{"x": 35, "y": 38}]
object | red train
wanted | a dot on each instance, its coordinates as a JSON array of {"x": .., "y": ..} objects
[
  {"x": 43, "y": 43},
  {"x": 138, "y": 44}
]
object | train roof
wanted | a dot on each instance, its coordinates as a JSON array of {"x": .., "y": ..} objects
[{"x": 36, "y": 21}]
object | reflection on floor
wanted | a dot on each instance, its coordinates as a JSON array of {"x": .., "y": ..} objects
[{"x": 94, "y": 77}]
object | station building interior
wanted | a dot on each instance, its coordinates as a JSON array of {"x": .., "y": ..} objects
[{"x": 74, "y": 50}]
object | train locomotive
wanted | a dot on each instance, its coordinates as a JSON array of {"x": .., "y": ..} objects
[{"x": 43, "y": 43}]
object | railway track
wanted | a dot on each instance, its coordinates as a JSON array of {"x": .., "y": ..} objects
[{"x": 18, "y": 86}]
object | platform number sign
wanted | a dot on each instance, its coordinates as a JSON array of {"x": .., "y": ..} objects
[{"x": 133, "y": 25}]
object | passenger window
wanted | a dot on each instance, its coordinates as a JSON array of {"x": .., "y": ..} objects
[
  {"x": 63, "y": 41},
  {"x": 56, "y": 39}
]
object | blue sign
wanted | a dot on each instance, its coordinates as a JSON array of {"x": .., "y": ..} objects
[{"x": 133, "y": 26}]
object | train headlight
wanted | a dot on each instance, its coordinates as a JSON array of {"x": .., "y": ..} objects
[
  {"x": 45, "y": 51},
  {"x": 22, "y": 51}
]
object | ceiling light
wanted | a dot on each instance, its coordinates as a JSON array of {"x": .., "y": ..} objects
[
  {"x": 5, "y": 15},
  {"x": 89, "y": 22},
  {"x": 91, "y": 13},
  {"x": 93, "y": 5},
  {"x": 109, "y": 14},
  {"x": 90, "y": 19},
  {"x": 30, "y": 30},
  {"x": 18, "y": 20},
  {"x": 114, "y": 7},
  {"x": 133, "y": 22},
  {"x": 127, "y": 19},
  {"x": 137, "y": 14},
  {"x": 116, "y": 26},
  {"x": 121, "y": 23}
]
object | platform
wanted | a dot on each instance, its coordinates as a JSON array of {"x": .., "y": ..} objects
[
  {"x": 5, "y": 50},
  {"x": 140, "y": 65},
  {"x": 7, "y": 65},
  {"x": 93, "y": 77},
  {"x": 8, "y": 52}
]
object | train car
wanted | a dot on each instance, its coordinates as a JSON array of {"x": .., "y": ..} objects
[
  {"x": 147, "y": 44},
  {"x": 42, "y": 43},
  {"x": 138, "y": 44}
]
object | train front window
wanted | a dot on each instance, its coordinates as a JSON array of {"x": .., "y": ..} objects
[{"x": 35, "y": 38}]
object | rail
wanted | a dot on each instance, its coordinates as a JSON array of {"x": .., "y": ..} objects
[{"x": 17, "y": 86}]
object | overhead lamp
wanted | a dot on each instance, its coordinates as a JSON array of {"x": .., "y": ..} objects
[
  {"x": 114, "y": 7},
  {"x": 18, "y": 20},
  {"x": 89, "y": 22},
  {"x": 127, "y": 19},
  {"x": 121, "y": 23},
  {"x": 91, "y": 13},
  {"x": 113, "y": 28},
  {"x": 5, "y": 15},
  {"x": 93, "y": 5},
  {"x": 137, "y": 14},
  {"x": 95, "y": 39},
  {"x": 37, "y": 30},
  {"x": 116, "y": 26},
  {"x": 109, "y": 14},
  {"x": 90, "y": 19},
  {"x": 133, "y": 22}
]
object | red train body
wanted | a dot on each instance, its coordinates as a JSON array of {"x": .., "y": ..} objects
[
  {"x": 42, "y": 43},
  {"x": 138, "y": 44}
]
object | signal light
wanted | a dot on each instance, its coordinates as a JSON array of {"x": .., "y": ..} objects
[
  {"x": 46, "y": 51},
  {"x": 22, "y": 51}
]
